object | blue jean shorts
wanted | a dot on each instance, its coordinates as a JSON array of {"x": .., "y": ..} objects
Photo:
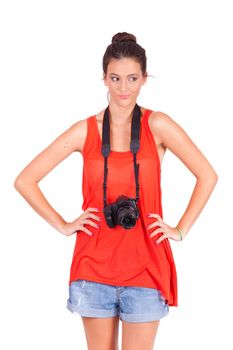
[{"x": 132, "y": 304}]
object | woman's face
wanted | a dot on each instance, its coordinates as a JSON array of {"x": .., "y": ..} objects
[{"x": 124, "y": 80}]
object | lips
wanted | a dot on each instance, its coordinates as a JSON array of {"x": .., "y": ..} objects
[{"x": 124, "y": 96}]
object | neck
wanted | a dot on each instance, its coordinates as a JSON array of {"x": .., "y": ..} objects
[{"x": 120, "y": 115}]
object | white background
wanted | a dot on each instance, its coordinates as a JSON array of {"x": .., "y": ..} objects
[{"x": 51, "y": 70}]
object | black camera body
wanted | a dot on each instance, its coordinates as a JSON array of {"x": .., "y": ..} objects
[{"x": 123, "y": 212}]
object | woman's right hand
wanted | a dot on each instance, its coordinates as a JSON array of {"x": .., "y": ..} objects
[{"x": 78, "y": 224}]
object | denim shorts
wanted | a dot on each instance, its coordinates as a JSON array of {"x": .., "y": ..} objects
[{"x": 132, "y": 304}]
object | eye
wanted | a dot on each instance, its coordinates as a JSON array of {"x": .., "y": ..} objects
[
  {"x": 117, "y": 79},
  {"x": 114, "y": 78}
]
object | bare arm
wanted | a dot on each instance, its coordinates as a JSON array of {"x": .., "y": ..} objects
[
  {"x": 27, "y": 181},
  {"x": 177, "y": 141}
]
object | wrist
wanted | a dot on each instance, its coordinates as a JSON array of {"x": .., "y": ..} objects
[
  {"x": 60, "y": 226},
  {"x": 181, "y": 232}
]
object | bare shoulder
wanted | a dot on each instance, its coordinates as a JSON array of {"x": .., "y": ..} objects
[
  {"x": 74, "y": 137},
  {"x": 166, "y": 129},
  {"x": 71, "y": 140},
  {"x": 79, "y": 134},
  {"x": 154, "y": 121},
  {"x": 172, "y": 136}
]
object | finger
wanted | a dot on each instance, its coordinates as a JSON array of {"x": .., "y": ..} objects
[
  {"x": 158, "y": 241},
  {"x": 88, "y": 210},
  {"x": 162, "y": 238},
  {"x": 93, "y": 216},
  {"x": 153, "y": 224},
  {"x": 89, "y": 222},
  {"x": 91, "y": 209},
  {"x": 155, "y": 216},
  {"x": 84, "y": 229},
  {"x": 159, "y": 230}
]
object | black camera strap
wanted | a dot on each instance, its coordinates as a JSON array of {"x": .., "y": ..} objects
[{"x": 134, "y": 146}]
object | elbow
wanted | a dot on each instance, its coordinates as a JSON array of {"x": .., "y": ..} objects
[
  {"x": 21, "y": 182},
  {"x": 209, "y": 175},
  {"x": 214, "y": 180},
  {"x": 210, "y": 181},
  {"x": 214, "y": 177},
  {"x": 17, "y": 183},
  {"x": 210, "y": 178}
]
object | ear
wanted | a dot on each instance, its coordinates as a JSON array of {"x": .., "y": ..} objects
[{"x": 145, "y": 78}]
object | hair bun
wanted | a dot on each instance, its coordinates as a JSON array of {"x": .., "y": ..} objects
[{"x": 123, "y": 36}]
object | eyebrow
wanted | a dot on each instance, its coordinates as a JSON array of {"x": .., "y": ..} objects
[{"x": 127, "y": 75}]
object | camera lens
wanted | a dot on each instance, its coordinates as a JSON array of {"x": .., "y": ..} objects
[
  {"x": 126, "y": 217},
  {"x": 128, "y": 222}
]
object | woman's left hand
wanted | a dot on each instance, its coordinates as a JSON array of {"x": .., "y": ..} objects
[{"x": 168, "y": 231}]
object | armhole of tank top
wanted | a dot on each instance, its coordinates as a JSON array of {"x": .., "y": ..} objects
[
  {"x": 148, "y": 113},
  {"x": 88, "y": 119}
]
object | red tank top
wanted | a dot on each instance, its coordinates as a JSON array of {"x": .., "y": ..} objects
[{"x": 118, "y": 256}]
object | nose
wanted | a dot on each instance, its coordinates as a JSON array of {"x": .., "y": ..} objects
[{"x": 123, "y": 86}]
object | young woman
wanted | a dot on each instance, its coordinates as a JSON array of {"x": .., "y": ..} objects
[{"x": 119, "y": 273}]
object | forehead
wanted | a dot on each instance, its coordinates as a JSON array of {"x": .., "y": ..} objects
[{"x": 125, "y": 65}]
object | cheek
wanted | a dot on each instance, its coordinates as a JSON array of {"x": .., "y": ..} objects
[
  {"x": 112, "y": 87},
  {"x": 135, "y": 86},
  {"x": 135, "y": 89}
]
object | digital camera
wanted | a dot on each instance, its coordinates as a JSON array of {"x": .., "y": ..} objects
[{"x": 123, "y": 212}]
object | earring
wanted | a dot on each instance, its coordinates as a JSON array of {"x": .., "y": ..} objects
[{"x": 108, "y": 96}]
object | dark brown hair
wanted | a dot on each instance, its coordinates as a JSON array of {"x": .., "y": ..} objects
[{"x": 124, "y": 45}]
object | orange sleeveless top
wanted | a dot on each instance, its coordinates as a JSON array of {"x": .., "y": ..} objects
[{"x": 117, "y": 256}]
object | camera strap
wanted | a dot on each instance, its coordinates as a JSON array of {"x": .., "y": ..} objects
[{"x": 134, "y": 146}]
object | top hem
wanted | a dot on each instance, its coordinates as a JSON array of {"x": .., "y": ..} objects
[{"x": 116, "y": 284}]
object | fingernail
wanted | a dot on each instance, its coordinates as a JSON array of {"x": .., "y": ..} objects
[{"x": 148, "y": 214}]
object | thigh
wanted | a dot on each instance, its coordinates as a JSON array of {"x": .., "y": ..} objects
[
  {"x": 101, "y": 333},
  {"x": 97, "y": 304},
  {"x": 140, "y": 335}
]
